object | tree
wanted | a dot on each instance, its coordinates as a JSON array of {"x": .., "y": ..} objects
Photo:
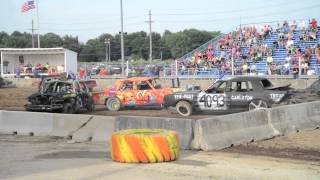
[
  {"x": 51, "y": 40},
  {"x": 71, "y": 43}
]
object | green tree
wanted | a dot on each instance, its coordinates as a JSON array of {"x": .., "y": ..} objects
[{"x": 51, "y": 40}]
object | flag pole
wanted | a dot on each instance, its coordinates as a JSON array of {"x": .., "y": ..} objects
[{"x": 37, "y": 3}]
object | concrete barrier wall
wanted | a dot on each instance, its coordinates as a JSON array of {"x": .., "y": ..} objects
[
  {"x": 26, "y": 123},
  {"x": 47, "y": 124},
  {"x": 287, "y": 119},
  {"x": 99, "y": 129},
  {"x": 184, "y": 127},
  {"x": 207, "y": 134},
  {"x": 224, "y": 131}
]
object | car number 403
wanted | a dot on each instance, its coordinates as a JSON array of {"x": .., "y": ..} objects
[{"x": 210, "y": 100}]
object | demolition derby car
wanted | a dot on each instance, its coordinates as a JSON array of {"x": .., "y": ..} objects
[
  {"x": 238, "y": 93},
  {"x": 56, "y": 95},
  {"x": 5, "y": 84},
  {"x": 135, "y": 92}
]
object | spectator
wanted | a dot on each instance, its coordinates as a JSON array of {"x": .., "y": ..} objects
[
  {"x": 286, "y": 68},
  {"x": 317, "y": 52},
  {"x": 314, "y": 24},
  {"x": 81, "y": 73},
  {"x": 304, "y": 67},
  {"x": 295, "y": 71}
]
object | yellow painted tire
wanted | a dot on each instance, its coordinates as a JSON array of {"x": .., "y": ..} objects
[{"x": 144, "y": 146}]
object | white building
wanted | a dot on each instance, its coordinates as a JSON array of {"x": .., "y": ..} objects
[{"x": 58, "y": 59}]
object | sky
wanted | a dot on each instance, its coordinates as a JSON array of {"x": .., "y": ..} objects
[{"x": 88, "y": 19}]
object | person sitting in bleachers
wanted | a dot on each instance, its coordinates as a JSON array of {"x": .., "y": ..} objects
[{"x": 314, "y": 24}]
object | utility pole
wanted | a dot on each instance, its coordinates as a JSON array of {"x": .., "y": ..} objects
[
  {"x": 106, "y": 42},
  {"x": 150, "y": 35},
  {"x": 37, "y": 5},
  {"x": 122, "y": 42},
  {"x": 109, "y": 58},
  {"x": 32, "y": 33}
]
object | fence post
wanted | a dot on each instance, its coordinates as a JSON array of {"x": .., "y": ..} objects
[
  {"x": 299, "y": 66},
  {"x": 176, "y": 65},
  {"x": 127, "y": 71},
  {"x": 232, "y": 65}
]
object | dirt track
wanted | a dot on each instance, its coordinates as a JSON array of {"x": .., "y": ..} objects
[{"x": 55, "y": 158}]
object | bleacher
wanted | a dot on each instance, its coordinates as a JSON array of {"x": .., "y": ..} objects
[{"x": 279, "y": 54}]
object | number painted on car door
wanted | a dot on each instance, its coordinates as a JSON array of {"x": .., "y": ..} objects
[{"x": 211, "y": 101}]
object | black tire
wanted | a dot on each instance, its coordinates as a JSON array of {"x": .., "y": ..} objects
[
  {"x": 184, "y": 108},
  {"x": 90, "y": 105},
  {"x": 257, "y": 104},
  {"x": 67, "y": 108},
  {"x": 113, "y": 104}
]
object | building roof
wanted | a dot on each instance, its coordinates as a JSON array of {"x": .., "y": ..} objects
[{"x": 34, "y": 50}]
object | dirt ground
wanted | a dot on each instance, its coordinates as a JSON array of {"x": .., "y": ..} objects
[
  {"x": 303, "y": 145},
  {"x": 27, "y": 157}
]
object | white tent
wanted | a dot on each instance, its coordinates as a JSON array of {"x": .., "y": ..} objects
[{"x": 59, "y": 59}]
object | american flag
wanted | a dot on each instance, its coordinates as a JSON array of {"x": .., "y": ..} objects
[{"x": 27, "y": 6}]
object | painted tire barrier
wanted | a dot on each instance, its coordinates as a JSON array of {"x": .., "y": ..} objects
[{"x": 144, "y": 146}]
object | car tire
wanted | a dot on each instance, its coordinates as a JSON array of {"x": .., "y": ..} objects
[
  {"x": 184, "y": 108},
  {"x": 257, "y": 104},
  {"x": 113, "y": 104},
  {"x": 90, "y": 105},
  {"x": 67, "y": 108},
  {"x": 144, "y": 146}
]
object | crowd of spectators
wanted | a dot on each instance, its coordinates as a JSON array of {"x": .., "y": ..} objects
[
  {"x": 37, "y": 69},
  {"x": 247, "y": 47}
]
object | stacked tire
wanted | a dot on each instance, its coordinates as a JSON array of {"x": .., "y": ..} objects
[{"x": 144, "y": 146}]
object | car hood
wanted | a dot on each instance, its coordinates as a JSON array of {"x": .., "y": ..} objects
[{"x": 280, "y": 87}]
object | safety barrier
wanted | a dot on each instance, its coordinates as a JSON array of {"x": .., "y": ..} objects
[
  {"x": 207, "y": 134},
  {"x": 230, "y": 130},
  {"x": 26, "y": 123},
  {"x": 98, "y": 129},
  {"x": 184, "y": 127},
  {"x": 293, "y": 118}
]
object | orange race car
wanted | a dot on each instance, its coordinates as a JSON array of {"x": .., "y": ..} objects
[{"x": 134, "y": 92}]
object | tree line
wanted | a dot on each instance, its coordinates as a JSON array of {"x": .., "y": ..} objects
[{"x": 166, "y": 46}]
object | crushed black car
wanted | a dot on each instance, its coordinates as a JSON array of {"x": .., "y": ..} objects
[
  {"x": 56, "y": 95},
  {"x": 235, "y": 94},
  {"x": 5, "y": 83}
]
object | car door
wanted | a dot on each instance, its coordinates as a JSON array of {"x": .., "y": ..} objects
[
  {"x": 145, "y": 93},
  {"x": 127, "y": 93},
  {"x": 213, "y": 99},
  {"x": 240, "y": 94}
]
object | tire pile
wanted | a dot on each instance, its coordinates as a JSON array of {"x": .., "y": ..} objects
[{"x": 144, "y": 146}]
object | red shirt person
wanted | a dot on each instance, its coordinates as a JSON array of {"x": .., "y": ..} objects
[
  {"x": 81, "y": 73},
  {"x": 314, "y": 23}
]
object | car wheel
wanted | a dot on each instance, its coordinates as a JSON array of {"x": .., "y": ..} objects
[
  {"x": 184, "y": 108},
  {"x": 113, "y": 104},
  {"x": 257, "y": 104},
  {"x": 68, "y": 109},
  {"x": 90, "y": 105}
]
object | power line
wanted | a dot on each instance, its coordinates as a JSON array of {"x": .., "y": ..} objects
[{"x": 246, "y": 17}]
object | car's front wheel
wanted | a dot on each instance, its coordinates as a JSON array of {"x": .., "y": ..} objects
[
  {"x": 113, "y": 104},
  {"x": 184, "y": 108},
  {"x": 257, "y": 104},
  {"x": 90, "y": 105},
  {"x": 67, "y": 108}
]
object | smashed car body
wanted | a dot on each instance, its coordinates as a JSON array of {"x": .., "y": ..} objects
[
  {"x": 238, "y": 93},
  {"x": 57, "y": 95}
]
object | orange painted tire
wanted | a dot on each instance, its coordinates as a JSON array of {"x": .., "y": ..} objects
[{"x": 144, "y": 146}]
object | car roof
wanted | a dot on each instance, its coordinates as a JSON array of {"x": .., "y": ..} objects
[{"x": 138, "y": 79}]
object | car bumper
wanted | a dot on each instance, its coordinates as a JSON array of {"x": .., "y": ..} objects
[{"x": 31, "y": 107}]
